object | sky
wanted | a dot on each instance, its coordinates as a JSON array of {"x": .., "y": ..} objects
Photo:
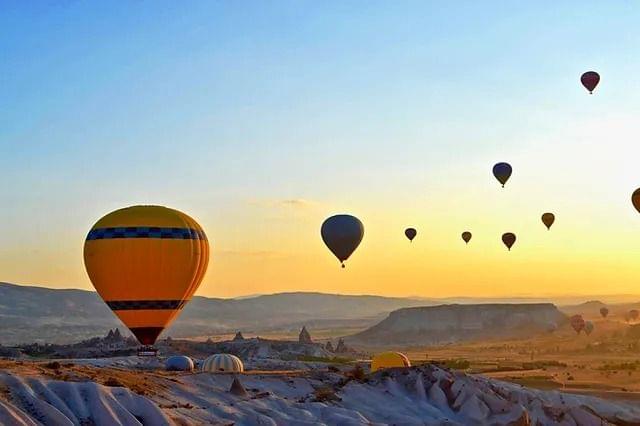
[{"x": 260, "y": 119}]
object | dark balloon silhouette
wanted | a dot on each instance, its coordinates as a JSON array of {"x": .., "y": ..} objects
[
  {"x": 502, "y": 172},
  {"x": 342, "y": 234},
  {"x": 588, "y": 327},
  {"x": 635, "y": 199},
  {"x": 577, "y": 323},
  {"x": 466, "y": 236},
  {"x": 633, "y": 314},
  {"x": 509, "y": 239},
  {"x": 548, "y": 219},
  {"x": 590, "y": 80},
  {"x": 604, "y": 311},
  {"x": 410, "y": 233}
]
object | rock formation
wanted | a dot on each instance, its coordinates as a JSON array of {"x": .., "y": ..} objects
[
  {"x": 457, "y": 323},
  {"x": 304, "y": 336},
  {"x": 237, "y": 389},
  {"x": 238, "y": 336}
]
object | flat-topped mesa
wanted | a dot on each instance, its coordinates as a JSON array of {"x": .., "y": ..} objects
[
  {"x": 304, "y": 336},
  {"x": 455, "y": 323}
]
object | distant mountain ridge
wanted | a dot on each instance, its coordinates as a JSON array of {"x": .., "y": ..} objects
[{"x": 29, "y": 313}]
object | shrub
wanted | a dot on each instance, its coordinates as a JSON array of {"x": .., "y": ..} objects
[{"x": 325, "y": 394}]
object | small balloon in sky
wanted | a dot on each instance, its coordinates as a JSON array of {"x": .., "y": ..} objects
[
  {"x": 466, "y": 236},
  {"x": 604, "y": 311},
  {"x": 502, "y": 172},
  {"x": 548, "y": 219},
  {"x": 590, "y": 80},
  {"x": 342, "y": 234},
  {"x": 509, "y": 239},
  {"x": 410, "y": 233},
  {"x": 635, "y": 199}
]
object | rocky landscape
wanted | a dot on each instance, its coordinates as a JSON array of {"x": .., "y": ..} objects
[{"x": 83, "y": 393}]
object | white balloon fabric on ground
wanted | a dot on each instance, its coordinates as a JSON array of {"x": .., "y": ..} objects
[
  {"x": 179, "y": 363},
  {"x": 222, "y": 363}
]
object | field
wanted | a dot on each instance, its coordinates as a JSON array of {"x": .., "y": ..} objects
[{"x": 605, "y": 364}]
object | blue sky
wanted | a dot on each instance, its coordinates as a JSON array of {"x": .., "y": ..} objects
[{"x": 219, "y": 107}]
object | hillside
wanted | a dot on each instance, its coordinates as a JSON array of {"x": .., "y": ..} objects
[
  {"x": 454, "y": 323},
  {"x": 61, "y": 316}
]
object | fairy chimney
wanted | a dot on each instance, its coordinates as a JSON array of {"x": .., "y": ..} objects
[{"x": 304, "y": 337}]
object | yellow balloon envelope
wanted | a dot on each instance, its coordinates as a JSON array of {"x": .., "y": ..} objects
[
  {"x": 146, "y": 262},
  {"x": 389, "y": 360}
]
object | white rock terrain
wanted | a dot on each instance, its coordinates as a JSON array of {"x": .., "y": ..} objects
[{"x": 417, "y": 396}]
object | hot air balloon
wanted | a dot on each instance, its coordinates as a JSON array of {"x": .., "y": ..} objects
[
  {"x": 146, "y": 262},
  {"x": 342, "y": 234},
  {"x": 410, "y": 233},
  {"x": 502, "y": 172},
  {"x": 633, "y": 314},
  {"x": 590, "y": 80},
  {"x": 588, "y": 327},
  {"x": 508, "y": 239},
  {"x": 222, "y": 363},
  {"x": 635, "y": 199},
  {"x": 548, "y": 219},
  {"x": 179, "y": 363},
  {"x": 604, "y": 311},
  {"x": 389, "y": 360},
  {"x": 466, "y": 236},
  {"x": 577, "y": 322}
]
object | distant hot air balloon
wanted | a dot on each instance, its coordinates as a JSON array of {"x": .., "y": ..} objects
[
  {"x": 635, "y": 199},
  {"x": 633, "y": 314},
  {"x": 588, "y": 327},
  {"x": 466, "y": 236},
  {"x": 590, "y": 80},
  {"x": 410, "y": 233},
  {"x": 389, "y": 360},
  {"x": 548, "y": 219},
  {"x": 146, "y": 262},
  {"x": 502, "y": 172},
  {"x": 577, "y": 322},
  {"x": 508, "y": 239},
  {"x": 342, "y": 234},
  {"x": 604, "y": 311}
]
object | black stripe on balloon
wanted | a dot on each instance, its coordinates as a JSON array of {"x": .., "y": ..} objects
[
  {"x": 139, "y": 305},
  {"x": 146, "y": 232},
  {"x": 146, "y": 335}
]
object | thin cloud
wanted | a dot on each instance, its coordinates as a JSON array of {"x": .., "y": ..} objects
[{"x": 287, "y": 203}]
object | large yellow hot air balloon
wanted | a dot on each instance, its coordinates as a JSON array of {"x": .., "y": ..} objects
[
  {"x": 389, "y": 360},
  {"x": 146, "y": 262}
]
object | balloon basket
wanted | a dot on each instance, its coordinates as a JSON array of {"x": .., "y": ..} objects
[{"x": 147, "y": 351}]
